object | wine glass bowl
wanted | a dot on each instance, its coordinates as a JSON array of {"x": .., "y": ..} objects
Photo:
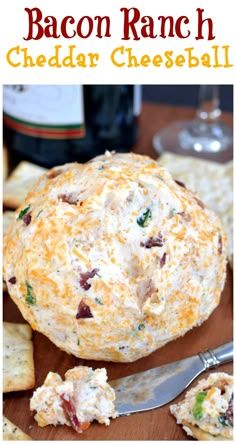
[{"x": 206, "y": 134}]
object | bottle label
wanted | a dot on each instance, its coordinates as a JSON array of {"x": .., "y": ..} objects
[{"x": 48, "y": 111}]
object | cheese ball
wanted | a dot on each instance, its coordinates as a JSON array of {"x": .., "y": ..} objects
[{"x": 113, "y": 258}]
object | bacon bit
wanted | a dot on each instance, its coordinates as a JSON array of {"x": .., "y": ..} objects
[
  {"x": 70, "y": 198},
  {"x": 156, "y": 241},
  {"x": 229, "y": 414},
  {"x": 12, "y": 280},
  {"x": 207, "y": 388},
  {"x": 70, "y": 411},
  {"x": 200, "y": 203},
  {"x": 83, "y": 311},
  {"x": 181, "y": 184},
  {"x": 220, "y": 384},
  {"x": 145, "y": 291},
  {"x": 54, "y": 173},
  {"x": 220, "y": 246},
  {"x": 185, "y": 216},
  {"x": 27, "y": 218},
  {"x": 85, "y": 276},
  {"x": 149, "y": 290},
  {"x": 163, "y": 260},
  {"x": 130, "y": 197},
  {"x": 227, "y": 419}
]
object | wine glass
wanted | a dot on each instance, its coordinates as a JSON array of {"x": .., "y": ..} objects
[{"x": 204, "y": 135}]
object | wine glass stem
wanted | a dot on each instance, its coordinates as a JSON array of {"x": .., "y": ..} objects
[{"x": 208, "y": 110}]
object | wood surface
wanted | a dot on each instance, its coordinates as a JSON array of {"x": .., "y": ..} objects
[
  {"x": 154, "y": 425},
  {"x": 155, "y": 117}
]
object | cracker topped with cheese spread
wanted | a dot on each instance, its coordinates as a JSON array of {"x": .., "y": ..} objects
[
  {"x": 206, "y": 413},
  {"x": 113, "y": 258}
]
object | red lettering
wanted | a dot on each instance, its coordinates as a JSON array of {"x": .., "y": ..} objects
[
  {"x": 38, "y": 26},
  {"x": 178, "y": 27},
  {"x": 64, "y": 32},
  {"x": 148, "y": 29},
  {"x": 89, "y": 21},
  {"x": 34, "y": 21},
  {"x": 99, "y": 26},
  {"x": 129, "y": 24},
  {"x": 200, "y": 26},
  {"x": 51, "y": 28},
  {"x": 163, "y": 21}
]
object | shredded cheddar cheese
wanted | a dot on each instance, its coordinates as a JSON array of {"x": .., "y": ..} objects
[{"x": 120, "y": 230}]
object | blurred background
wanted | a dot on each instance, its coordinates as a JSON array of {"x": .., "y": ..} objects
[
  {"x": 184, "y": 95},
  {"x": 50, "y": 125}
]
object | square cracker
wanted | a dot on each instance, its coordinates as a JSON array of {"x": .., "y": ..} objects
[
  {"x": 12, "y": 433},
  {"x": 18, "y": 362},
  {"x": 212, "y": 181},
  {"x": 7, "y": 218},
  {"x": 200, "y": 434},
  {"x": 20, "y": 183}
]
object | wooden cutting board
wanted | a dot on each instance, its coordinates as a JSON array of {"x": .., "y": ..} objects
[
  {"x": 154, "y": 425},
  {"x": 157, "y": 424}
]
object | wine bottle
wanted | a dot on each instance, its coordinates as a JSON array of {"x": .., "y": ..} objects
[{"x": 54, "y": 124}]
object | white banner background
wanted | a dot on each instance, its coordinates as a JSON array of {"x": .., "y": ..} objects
[{"x": 14, "y": 26}]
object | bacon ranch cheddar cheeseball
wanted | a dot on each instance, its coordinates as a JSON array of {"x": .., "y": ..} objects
[{"x": 113, "y": 258}]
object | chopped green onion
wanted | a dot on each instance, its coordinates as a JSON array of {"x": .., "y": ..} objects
[
  {"x": 141, "y": 327},
  {"x": 197, "y": 408},
  {"x": 23, "y": 212},
  {"x": 223, "y": 421},
  {"x": 172, "y": 212},
  {"x": 30, "y": 297},
  {"x": 98, "y": 301},
  {"x": 143, "y": 220}
]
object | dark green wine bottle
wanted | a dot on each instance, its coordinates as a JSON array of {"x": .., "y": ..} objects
[{"x": 54, "y": 124}]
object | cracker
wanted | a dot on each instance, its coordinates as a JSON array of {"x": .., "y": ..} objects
[
  {"x": 4, "y": 163},
  {"x": 212, "y": 181},
  {"x": 18, "y": 363},
  {"x": 7, "y": 218},
  {"x": 20, "y": 183},
  {"x": 201, "y": 435},
  {"x": 12, "y": 433}
]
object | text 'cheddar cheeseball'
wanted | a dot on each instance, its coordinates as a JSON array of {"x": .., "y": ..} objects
[{"x": 113, "y": 258}]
